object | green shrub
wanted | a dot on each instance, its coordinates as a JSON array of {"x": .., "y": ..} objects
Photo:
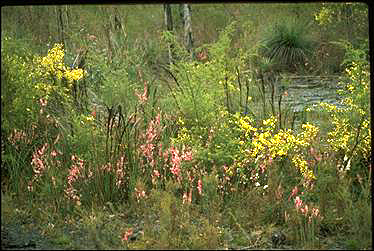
[{"x": 288, "y": 44}]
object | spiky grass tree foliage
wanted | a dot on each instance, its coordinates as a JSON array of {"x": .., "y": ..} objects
[{"x": 287, "y": 43}]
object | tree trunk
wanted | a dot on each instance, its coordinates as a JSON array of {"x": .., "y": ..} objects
[
  {"x": 187, "y": 27},
  {"x": 169, "y": 27},
  {"x": 60, "y": 24}
]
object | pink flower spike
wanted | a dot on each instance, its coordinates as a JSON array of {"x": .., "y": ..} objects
[
  {"x": 304, "y": 210},
  {"x": 184, "y": 197},
  {"x": 127, "y": 234},
  {"x": 294, "y": 192},
  {"x": 187, "y": 156},
  {"x": 29, "y": 187},
  {"x": 270, "y": 160},
  {"x": 190, "y": 196},
  {"x": 143, "y": 97},
  {"x": 43, "y": 102},
  {"x": 200, "y": 186},
  {"x": 315, "y": 212},
  {"x": 54, "y": 153},
  {"x": 156, "y": 173},
  {"x": 298, "y": 202}
]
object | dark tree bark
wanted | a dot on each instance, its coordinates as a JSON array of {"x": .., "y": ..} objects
[
  {"x": 60, "y": 24},
  {"x": 169, "y": 27}
]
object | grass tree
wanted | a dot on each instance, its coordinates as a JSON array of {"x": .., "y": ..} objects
[{"x": 288, "y": 44}]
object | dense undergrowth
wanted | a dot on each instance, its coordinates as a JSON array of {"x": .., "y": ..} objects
[{"x": 195, "y": 157}]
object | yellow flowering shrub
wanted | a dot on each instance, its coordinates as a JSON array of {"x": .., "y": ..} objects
[
  {"x": 50, "y": 73},
  {"x": 350, "y": 133},
  {"x": 267, "y": 144}
]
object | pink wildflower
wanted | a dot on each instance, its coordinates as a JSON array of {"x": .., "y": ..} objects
[
  {"x": 16, "y": 136},
  {"x": 175, "y": 159},
  {"x": 119, "y": 176},
  {"x": 120, "y": 162},
  {"x": 72, "y": 194},
  {"x": 298, "y": 202},
  {"x": 262, "y": 167},
  {"x": 43, "y": 102},
  {"x": 315, "y": 212},
  {"x": 156, "y": 173},
  {"x": 147, "y": 150},
  {"x": 200, "y": 186},
  {"x": 29, "y": 186},
  {"x": 304, "y": 210},
  {"x": 294, "y": 192},
  {"x": 127, "y": 234},
  {"x": 143, "y": 97},
  {"x": 270, "y": 160},
  {"x": 160, "y": 150},
  {"x": 187, "y": 155},
  {"x": 54, "y": 153},
  {"x": 139, "y": 193},
  {"x": 107, "y": 167},
  {"x": 73, "y": 174},
  {"x": 37, "y": 160}
]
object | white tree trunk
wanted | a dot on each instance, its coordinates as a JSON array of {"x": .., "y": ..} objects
[{"x": 187, "y": 27}]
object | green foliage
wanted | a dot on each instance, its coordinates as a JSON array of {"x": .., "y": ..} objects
[
  {"x": 350, "y": 135},
  {"x": 200, "y": 154},
  {"x": 287, "y": 43}
]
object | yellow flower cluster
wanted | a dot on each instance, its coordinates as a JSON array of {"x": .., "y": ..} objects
[
  {"x": 302, "y": 165},
  {"x": 307, "y": 135},
  {"x": 74, "y": 75},
  {"x": 329, "y": 107},
  {"x": 52, "y": 67},
  {"x": 53, "y": 64},
  {"x": 54, "y": 60},
  {"x": 351, "y": 127},
  {"x": 245, "y": 123},
  {"x": 324, "y": 16},
  {"x": 271, "y": 122},
  {"x": 283, "y": 143},
  {"x": 184, "y": 136}
]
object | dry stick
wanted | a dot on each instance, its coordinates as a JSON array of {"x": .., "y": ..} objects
[
  {"x": 172, "y": 75},
  {"x": 171, "y": 91},
  {"x": 272, "y": 96},
  {"x": 280, "y": 112},
  {"x": 240, "y": 88},
  {"x": 108, "y": 134},
  {"x": 247, "y": 94},
  {"x": 262, "y": 90},
  {"x": 119, "y": 134},
  {"x": 357, "y": 140},
  {"x": 227, "y": 91}
]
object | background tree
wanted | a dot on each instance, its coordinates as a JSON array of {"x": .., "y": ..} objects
[
  {"x": 186, "y": 12},
  {"x": 169, "y": 27}
]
